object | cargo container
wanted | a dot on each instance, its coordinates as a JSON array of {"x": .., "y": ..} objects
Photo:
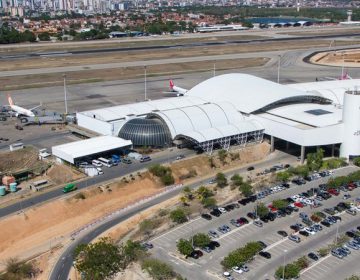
[
  {"x": 7, "y": 180},
  {"x": 13, "y": 187},
  {"x": 2, "y": 190}
]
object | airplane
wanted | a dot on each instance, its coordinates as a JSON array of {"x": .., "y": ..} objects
[
  {"x": 180, "y": 91},
  {"x": 20, "y": 111}
]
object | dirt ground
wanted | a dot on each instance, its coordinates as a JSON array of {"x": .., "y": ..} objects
[
  {"x": 19, "y": 160},
  {"x": 347, "y": 58},
  {"x": 40, "y": 226}
]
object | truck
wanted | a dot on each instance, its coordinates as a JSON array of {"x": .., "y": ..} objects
[
  {"x": 115, "y": 159},
  {"x": 69, "y": 188}
]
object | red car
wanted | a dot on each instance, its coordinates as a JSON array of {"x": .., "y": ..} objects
[
  {"x": 351, "y": 186},
  {"x": 333, "y": 192},
  {"x": 299, "y": 204},
  {"x": 272, "y": 208}
]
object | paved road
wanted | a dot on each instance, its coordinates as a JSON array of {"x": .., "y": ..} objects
[
  {"x": 209, "y": 265},
  {"x": 109, "y": 173},
  {"x": 63, "y": 266}
]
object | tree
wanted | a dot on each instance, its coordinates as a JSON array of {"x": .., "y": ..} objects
[
  {"x": 16, "y": 269},
  {"x": 323, "y": 252},
  {"x": 45, "y": 36},
  {"x": 280, "y": 203},
  {"x": 237, "y": 180},
  {"x": 184, "y": 247},
  {"x": 353, "y": 277},
  {"x": 283, "y": 176},
  {"x": 100, "y": 260},
  {"x": 221, "y": 180},
  {"x": 208, "y": 202},
  {"x": 314, "y": 161},
  {"x": 178, "y": 216},
  {"x": 246, "y": 189},
  {"x": 241, "y": 255},
  {"x": 187, "y": 192},
  {"x": 222, "y": 155},
  {"x": 201, "y": 240},
  {"x": 204, "y": 192},
  {"x": 168, "y": 179},
  {"x": 356, "y": 161},
  {"x": 158, "y": 270},
  {"x": 302, "y": 262},
  {"x": 291, "y": 271},
  {"x": 301, "y": 170},
  {"x": 133, "y": 251},
  {"x": 262, "y": 210},
  {"x": 28, "y": 36}
]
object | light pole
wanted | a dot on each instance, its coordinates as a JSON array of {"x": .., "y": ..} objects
[
  {"x": 278, "y": 70},
  {"x": 65, "y": 95},
  {"x": 283, "y": 274},
  {"x": 214, "y": 70},
  {"x": 342, "y": 67},
  {"x": 145, "y": 82}
]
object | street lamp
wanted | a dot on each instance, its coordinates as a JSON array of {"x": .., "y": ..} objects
[
  {"x": 145, "y": 82},
  {"x": 65, "y": 95},
  {"x": 283, "y": 274},
  {"x": 278, "y": 70}
]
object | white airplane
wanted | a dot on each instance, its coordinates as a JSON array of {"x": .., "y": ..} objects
[
  {"x": 20, "y": 111},
  {"x": 180, "y": 91}
]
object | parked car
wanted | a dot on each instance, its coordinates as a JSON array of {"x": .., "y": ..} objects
[
  {"x": 336, "y": 253},
  {"x": 266, "y": 255},
  {"x": 351, "y": 211},
  {"x": 294, "y": 238},
  {"x": 282, "y": 233},
  {"x": 313, "y": 256},
  {"x": 213, "y": 234},
  {"x": 251, "y": 215},
  {"x": 206, "y": 217},
  {"x": 303, "y": 232},
  {"x": 234, "y": 223},
  {"x": 258, "y": 223},
  {"x": 262, "y": 244},
  {"x": 237, "y": 269},
  {"x": 215, "y": 212},
  {"x": 214, "y": 243}
]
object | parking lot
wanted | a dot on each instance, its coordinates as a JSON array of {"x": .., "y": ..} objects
[{"x": 209, "y": 265}]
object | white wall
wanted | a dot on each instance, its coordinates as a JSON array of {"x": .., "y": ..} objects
[{"x": 351, "y": 132}]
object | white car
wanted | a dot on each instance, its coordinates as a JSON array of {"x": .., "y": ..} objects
[
  {"x": 100, "y": 170},
  {"x": 222, "y": 210},
  {"x": 309, "y": 230},
  {"x": 296, "y": 197},
  {"x": 237, "y": 269}
]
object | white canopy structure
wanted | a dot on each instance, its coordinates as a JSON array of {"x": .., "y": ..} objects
[{"x": 236, "y": 108}]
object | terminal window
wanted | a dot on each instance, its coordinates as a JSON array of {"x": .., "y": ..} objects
[{"x": 318, "y": 112}]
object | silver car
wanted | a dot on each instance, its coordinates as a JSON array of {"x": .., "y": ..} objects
[{"x": 294, "y": 238}]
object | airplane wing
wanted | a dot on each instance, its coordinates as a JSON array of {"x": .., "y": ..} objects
[{"x": 35, "y": 107}]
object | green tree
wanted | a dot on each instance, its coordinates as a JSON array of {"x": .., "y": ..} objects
[
  {"x": 28, "y": 36},
  {"x": 201, "y": 240},
  {"x": 158, "y": 270},
  {"x": 353, "y": 277},
  {"x": 314, "y": 161},
  {"x": 16, "y": 269},
  {"x": 45, "y": 36},
  {"x": 302, "y": 262},
  {"x": 356, "y": 161},
  {"x": 246, "y": 189},
  {"x": 221, "y": 180},
  {"x": 178, "y": 216},
  {"x": 222, "y": 154},
  {"x": 283, "y": 176},
  {"x": 291, "y": 271},
  {"x": 280, "y": 203},
  {"x": 204, "y": 192},
  {"x": 241, "y": 255},
  {"x": 100, "y": 260},
  {"x": 184, "y": 247},
  {"x": 323, "y": 252},
  {"x": 187, "y": 192},
  {"x": 133, "y": 251},
  {"x": 262, "y": 210},
  {"x": 301, "y": 170},
  {"x": 208, "y": 202},
  {"x": 237, "y": 180},
  {"x": 168, "y": 179}
]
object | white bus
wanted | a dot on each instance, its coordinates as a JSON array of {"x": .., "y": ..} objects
[
  {"x": 105, "y": 162},
  {"x": 96, "y": 163}
]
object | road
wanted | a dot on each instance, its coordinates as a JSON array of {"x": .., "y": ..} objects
[
  {"x": 63, "y": 266},
  {"x": 209, "y": 264},
  {"x": 109, "y": 174}
]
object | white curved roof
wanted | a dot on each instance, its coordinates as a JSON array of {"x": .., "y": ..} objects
[
  {"x": 206, "y": 121},
  {"x": 245, "y": 92},
  {"x": 333, "y": 90}
]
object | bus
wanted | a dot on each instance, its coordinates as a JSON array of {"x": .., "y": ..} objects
[
  {"x": 106, "y": 162},
  {"x": 69, "y": 188}
]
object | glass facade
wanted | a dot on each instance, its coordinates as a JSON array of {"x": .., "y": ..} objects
[{"x": 146, "y": 132}]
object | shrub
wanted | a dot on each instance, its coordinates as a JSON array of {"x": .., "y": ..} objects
[
  {"x": 208, "y": 202},
  {"x": 334, "y": 163},
  {"x": 201, "y": 240},
  {"x": 178, "y": 216},
  {"x": 222, "y": 155},
  {"x": 184, "y": 247},
  {"x": 323, "y": 252},
  {"x": 163, "y": 172},
  {"x": 221, "y": 180},
  {"x": 158, "y": 270},
  {"x": 292, "y": 270},
  {"x": 356, "y": 161},
  {"x": 80, "y": 195},
  {"x": 246, "y": 189},
  {"x": 302, "y": 262},
  {"x": 241, "y": 255}
]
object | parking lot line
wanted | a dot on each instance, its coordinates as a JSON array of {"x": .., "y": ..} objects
[
  {"x": 315, "y": 264},
  {"x": 233, "y": 231},
  {"x": 176, "y": 228}
]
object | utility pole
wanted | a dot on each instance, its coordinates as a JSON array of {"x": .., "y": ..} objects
[
  {"x": 214, "y": 70},
  {"x": 145, "y": 82},
  {"x": 65, "y": 95}
]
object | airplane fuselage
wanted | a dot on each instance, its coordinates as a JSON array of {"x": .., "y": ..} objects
[{"x": 22, "y": 111}]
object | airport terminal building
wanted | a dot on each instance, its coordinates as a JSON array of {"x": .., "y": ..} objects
[{"x": 237, "y": 109}]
